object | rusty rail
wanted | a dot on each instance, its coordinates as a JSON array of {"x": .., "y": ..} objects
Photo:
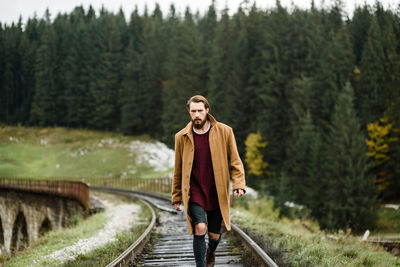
[{"x": 70, "y": 189}]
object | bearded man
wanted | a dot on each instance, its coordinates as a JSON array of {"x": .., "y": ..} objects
[{"x": 205, "y": 152}]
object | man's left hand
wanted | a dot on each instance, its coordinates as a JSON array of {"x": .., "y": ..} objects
[{"x": 239, "y": 192}]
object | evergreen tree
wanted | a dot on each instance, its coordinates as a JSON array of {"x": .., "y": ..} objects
[
  {"x": 350, "y": 193},
  {"x": 301, "y": 102},
  {"x": 13, "y": 95},
  {"x": 304, "y": 177},
  {"x": 44, "y": 107},
  {"x": 358, "y": 28},
  {"x": 141, "y": 88},
  {"x": 3, "y": 112},
  {"x": 391, "y": 49},
  {"x": 248, "y": 61},
  {"x": 107, "y": 75},
  {"x": 28, "y": 48},
  {"x": 78, "y": 71},
  {"x": 207, "y": 26},
  {"x": 271, "y": 73},
  {"x": 131, "y": 120},
  {"x": 335, "y": 66},
  {"x": 393, "y": 114},
  {"x": 221, "y": 87},
  {"x": 5, "y": 76},
  {"x": 183, "y": 73},
  {"x": 370, "y": 91}
]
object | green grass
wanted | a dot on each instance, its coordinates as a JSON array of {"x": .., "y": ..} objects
[
  {"x": 55, "y": 240},
  {"x": 388, "y": 221},
  {"x": 104, "y": 255},
  {"x": 289, "y": 243},
  {"x": 58, "y": 239},
  {"x": 61, "y": 152}
]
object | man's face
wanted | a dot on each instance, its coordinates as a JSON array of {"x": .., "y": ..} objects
[{"x": 198, "y": 114}]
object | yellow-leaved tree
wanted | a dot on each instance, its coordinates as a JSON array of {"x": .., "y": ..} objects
[
  {"x": 254, "y": 158},
  {"x": 378, "y": 149}
]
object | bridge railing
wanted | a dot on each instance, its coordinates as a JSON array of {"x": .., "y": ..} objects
[
  {"x": 69, "y": 189},
  {"x": 78, "y": 188},
  {"x": 156, "y": 185}
]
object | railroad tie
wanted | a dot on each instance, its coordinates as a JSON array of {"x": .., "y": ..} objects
[{"x": 174, "y": 247}]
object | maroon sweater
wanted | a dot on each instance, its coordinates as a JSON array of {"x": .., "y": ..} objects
[{"x": 202, "y": 183}]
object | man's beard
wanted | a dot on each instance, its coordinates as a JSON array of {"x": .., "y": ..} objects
[{"x": 197, "y": 124}]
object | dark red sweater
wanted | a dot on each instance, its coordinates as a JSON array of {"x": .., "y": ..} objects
[{"x": 202, "y": 183}]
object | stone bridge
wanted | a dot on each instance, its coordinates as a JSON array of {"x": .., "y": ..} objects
[{"x": 24, "y": 216}]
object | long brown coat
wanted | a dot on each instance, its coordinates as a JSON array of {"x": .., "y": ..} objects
[{"x": 223, "y": 153}]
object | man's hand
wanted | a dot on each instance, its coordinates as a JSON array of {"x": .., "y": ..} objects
[
  {"x": 177, "y": 206},
  {"x": 239, "y": 192}
]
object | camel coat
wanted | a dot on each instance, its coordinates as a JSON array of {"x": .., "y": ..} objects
[{"x": 224, "y": 154}]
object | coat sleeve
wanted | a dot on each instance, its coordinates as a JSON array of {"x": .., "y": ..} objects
[
  {"x": 236, "y": 165},
  {"x": 177, "y": 180}
]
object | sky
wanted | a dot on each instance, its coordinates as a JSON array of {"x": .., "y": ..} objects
[{"x": 11, "y": 10}]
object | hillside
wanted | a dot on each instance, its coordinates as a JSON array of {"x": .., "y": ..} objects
[{"x": 62, "y": 152}]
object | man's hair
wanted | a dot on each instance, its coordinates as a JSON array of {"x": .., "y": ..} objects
[{"x": 197, "y": 99}]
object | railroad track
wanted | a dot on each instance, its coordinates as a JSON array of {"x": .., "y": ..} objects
[{"x": 174, "y": 247}]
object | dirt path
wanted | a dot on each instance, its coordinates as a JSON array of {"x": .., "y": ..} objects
[{"x": 120, "y": 218}]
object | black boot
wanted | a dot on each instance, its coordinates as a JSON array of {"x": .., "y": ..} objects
[
  {"x": 210, "y": 258},
  {"x": 212, "y": 246}
]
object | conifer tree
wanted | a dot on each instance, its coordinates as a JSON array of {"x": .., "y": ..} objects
[
  {"x": 141, "y": 94},
  {"x": 350, "y": 193},
  {"x": 5, "y": 76},
  {"x": 207, "y": 26},
  {"x": 3, "y": 111},
  {"x": 335, "y": 65},
  {"x": 107, "y": 76},
  {"x": 130, "y": 113},
  {"x": 393, "y": 115},
  {"x": 271, "y": 73},
  {"x": 305, "y": 175},
  {"x": 222, "y": 59},
  {"x": 370, "y": 91},
  {"x": 78, "y": 71},
  {"x": 27, "y": 47},
  {"x": 358, "y": 28},
  {"x": 301, "y": 102},
  {"x": 183, "y": 73},
  {"x": 44, "y": 107}
]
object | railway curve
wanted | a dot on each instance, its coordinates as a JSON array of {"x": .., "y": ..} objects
[{"x": 174, "y": 247}]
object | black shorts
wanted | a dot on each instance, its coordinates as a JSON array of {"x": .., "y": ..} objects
[{"x": 198, "y": 215}]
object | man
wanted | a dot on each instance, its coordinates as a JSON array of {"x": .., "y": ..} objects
[{"x": 204, "y": 149}]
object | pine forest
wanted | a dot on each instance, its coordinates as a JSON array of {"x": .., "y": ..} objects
[{"x": 313, "y": 95}]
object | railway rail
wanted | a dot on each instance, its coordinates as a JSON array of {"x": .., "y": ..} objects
[{"x": 174, "y": 247}]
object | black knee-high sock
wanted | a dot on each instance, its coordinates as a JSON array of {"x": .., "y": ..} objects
[
  {"x": 213, "y": 244},
  {"x": 199, "y": 249}
]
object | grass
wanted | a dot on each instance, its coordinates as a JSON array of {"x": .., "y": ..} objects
[
  {"x": 104, "y": 255},
  {"x": 62, "y": 152},
  {"x": 55, "y": 240},
  {"x": 289, "y": 243},
  {"x": 58, "y": 239},
  {"x": 389, "y": 221}
]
